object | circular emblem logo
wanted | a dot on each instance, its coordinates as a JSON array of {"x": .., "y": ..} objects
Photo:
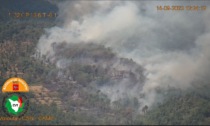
[{"x": 15, "y": 104}]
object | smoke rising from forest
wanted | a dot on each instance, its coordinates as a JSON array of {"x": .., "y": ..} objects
[{"x": 173, "y": 46}]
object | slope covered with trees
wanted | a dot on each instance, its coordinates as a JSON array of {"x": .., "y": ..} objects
[{"x": 78, "y": 71}]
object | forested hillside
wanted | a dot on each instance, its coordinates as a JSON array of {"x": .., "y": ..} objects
[{"x": 77, "y": 75}]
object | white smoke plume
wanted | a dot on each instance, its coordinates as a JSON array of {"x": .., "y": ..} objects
[{"x": 173, "y": 46}]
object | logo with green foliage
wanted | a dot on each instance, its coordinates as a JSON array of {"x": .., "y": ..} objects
[{"x": 15, "y": 104}]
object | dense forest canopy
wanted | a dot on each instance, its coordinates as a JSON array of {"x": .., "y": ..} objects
[{"x": 88, "y": 82}]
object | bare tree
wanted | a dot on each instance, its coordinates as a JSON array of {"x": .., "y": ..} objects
[{"x": 144, "y": 109}]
